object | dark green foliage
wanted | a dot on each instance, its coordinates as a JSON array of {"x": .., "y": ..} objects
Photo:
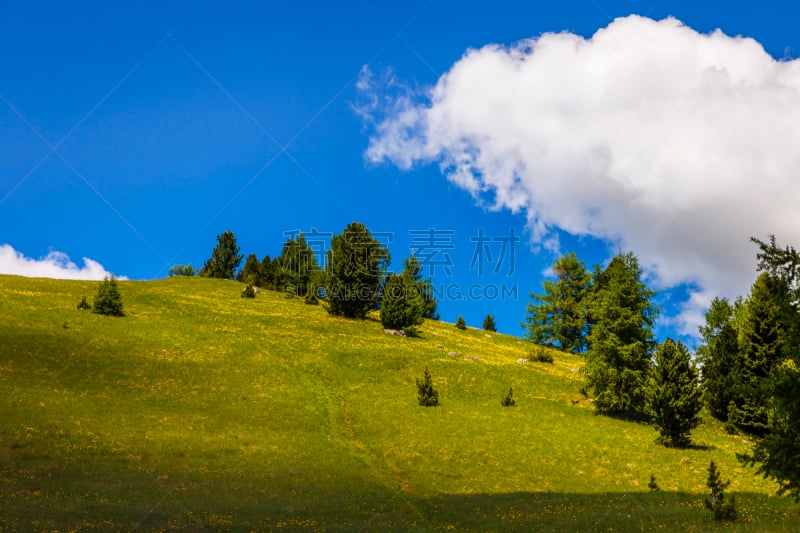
[
  {"x": 721, "y": 509},
  {"x": 460, "y": 323},
  {"x": 558, "y": 317},
  {"x": 108, "y": 300},
  {"x": 488, "y": 323},
  {"x": 762, "y": 343},
  {"x": 413, "y": 269},
  {"x": 621, "y": 338},
  {"x": 225, "y": 258},
  {"x": 778, "y": 452},
  {"x": 652, "y": 485},
  {"x": 251, "y": 272},
  {"x": 509, "y": 401},
  {"x": 298, "y": 266},
  {"x": 248, "y": 292},
  {"x": 83, "y": 304},
  {"x": 540, "y": 355},
  {"x": 719, "y": 355},
  {"x": 181, "y": 270},
  {"x": 311, "y": 299},
  {"x": 675, "y": 395},
  {"x": 427, "y": 396},
  {"x": 356, "y": 268},
  {"x": 401, "y": 305}
]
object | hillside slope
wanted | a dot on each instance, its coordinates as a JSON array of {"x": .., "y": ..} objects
[{"x": 202, "y": 410}]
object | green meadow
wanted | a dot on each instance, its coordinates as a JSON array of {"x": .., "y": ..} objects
[{"x": 204, "y": 411}]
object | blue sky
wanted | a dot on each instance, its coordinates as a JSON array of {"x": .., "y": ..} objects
[{"x": 132, "y": 133}]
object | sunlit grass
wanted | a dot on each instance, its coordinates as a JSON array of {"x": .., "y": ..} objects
[{"x": 204, "y": 410}]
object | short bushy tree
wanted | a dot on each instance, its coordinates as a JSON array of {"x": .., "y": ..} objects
[
  {"x": 181, "y": 270},
  {"x": 401, "y": 305},
  {"x": 108, "y": 300},
  {"x": 248, "y": 291},
  {"x": 652, "y": 485},
  {"x": 721, "y": 509},
  {"x": 675, "y": 395},
  {"x": 509, "y": 401},
  {"x": 427, "y": 396},
  {"x": 83, "y": 304},
  {"x": 488, "y": 323},
  {"x": 460, "y": 323}
]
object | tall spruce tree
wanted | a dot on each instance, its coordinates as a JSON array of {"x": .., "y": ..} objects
[
  {"x": 719, "y": 356},
  {"x": 762, "y": 342},
  {"x": 251, "y": 272},
  {"x": 225, "y": 258},
  {"x": 356, "y": 269},
  {"x": 675, "y": 395},
  {"x": 413, "y": 269},
  {"x": 108, "y": 300},
  {"x": 621, "y": 339},
  {"x": 488, "y": 323},
  {"x": 558, "y": 317}
]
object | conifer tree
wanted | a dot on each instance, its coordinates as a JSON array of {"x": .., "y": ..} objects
[
  {"x": 251, "y": 272},
  {"x": 427, "y": 396},
  {"x": 675, "y": 396},
  {"x": 762, "y": 344},
  {"x": 621, "y": 339},
  {"x": 509, "y": 401},
  {"x": 719, "y": 355},
  {"x": 225, "y": 258},
  {"x": 356, "y": 269},
  {"x": 488, "y": 323},
  {"x": 558, "y": 317},
  {"x": 299, "y": 265},
  {"x": 722, "y": 510},
  {"x": 401, "y": 305},
  {"x": 460, "y": 323},
  {"x": 413, "y": 269},
  {"x": 108, "y": 300}
]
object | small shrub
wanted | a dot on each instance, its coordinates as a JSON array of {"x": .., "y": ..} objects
[
  {"x": 108, "y": 300},
  {"x": 721, "y": 509},
  {"x": 181, "y": 270},
  {"x": 509, "y": 401},
  {"x": 540, "y": 355},
  {"x": 652, "y": 485},
  {"x": 426, "y": 394},
  {"x": 460, "y": 324},
  {"x": 311, "y": 299},
  {"x": 248, "y": 292},
  {"x": 84, "y": 305}
]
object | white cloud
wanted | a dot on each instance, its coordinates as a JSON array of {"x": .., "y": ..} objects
[
  {"x": 54, "y": 265},
  {"x": 662, "y": 140}
]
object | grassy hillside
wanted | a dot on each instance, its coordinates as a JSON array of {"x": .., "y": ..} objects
[{"x": 201, "y": 410}]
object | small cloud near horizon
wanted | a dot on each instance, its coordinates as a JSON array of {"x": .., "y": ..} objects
[{"x": 56, "y": 265}]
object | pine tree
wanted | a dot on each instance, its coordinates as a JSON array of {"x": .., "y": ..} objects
[
  {"x": 675, "y": 395},
  {"x": 777, "y": 453},
  {"x": 719, "y": 355},
  {"x": 225, "y": 258},
  {"x": 509, "y": 401},
  {"x": 356, "y": 268},
  {"x": 762, "y": 344},
  {"x": 621, "y": 339},
  {"x": 427, "y": 396},
  {"x": 401, "y": 305},
  {"x": 558, "y": 317},
  {"x": 83, "y": 304},
  {"x": 488, "y": 323},
  {"x": 248, "y": 291},
  {"x": 652, "y": 485},
  {"x": 251, "y": 272},
  {"x": 413, "y": 269},
  {"x": 108, "y": 300},
  {"x": 722, "y": 510},
  {"x": 460, "y": 323},
  {"x": 299, "y": 264}
]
